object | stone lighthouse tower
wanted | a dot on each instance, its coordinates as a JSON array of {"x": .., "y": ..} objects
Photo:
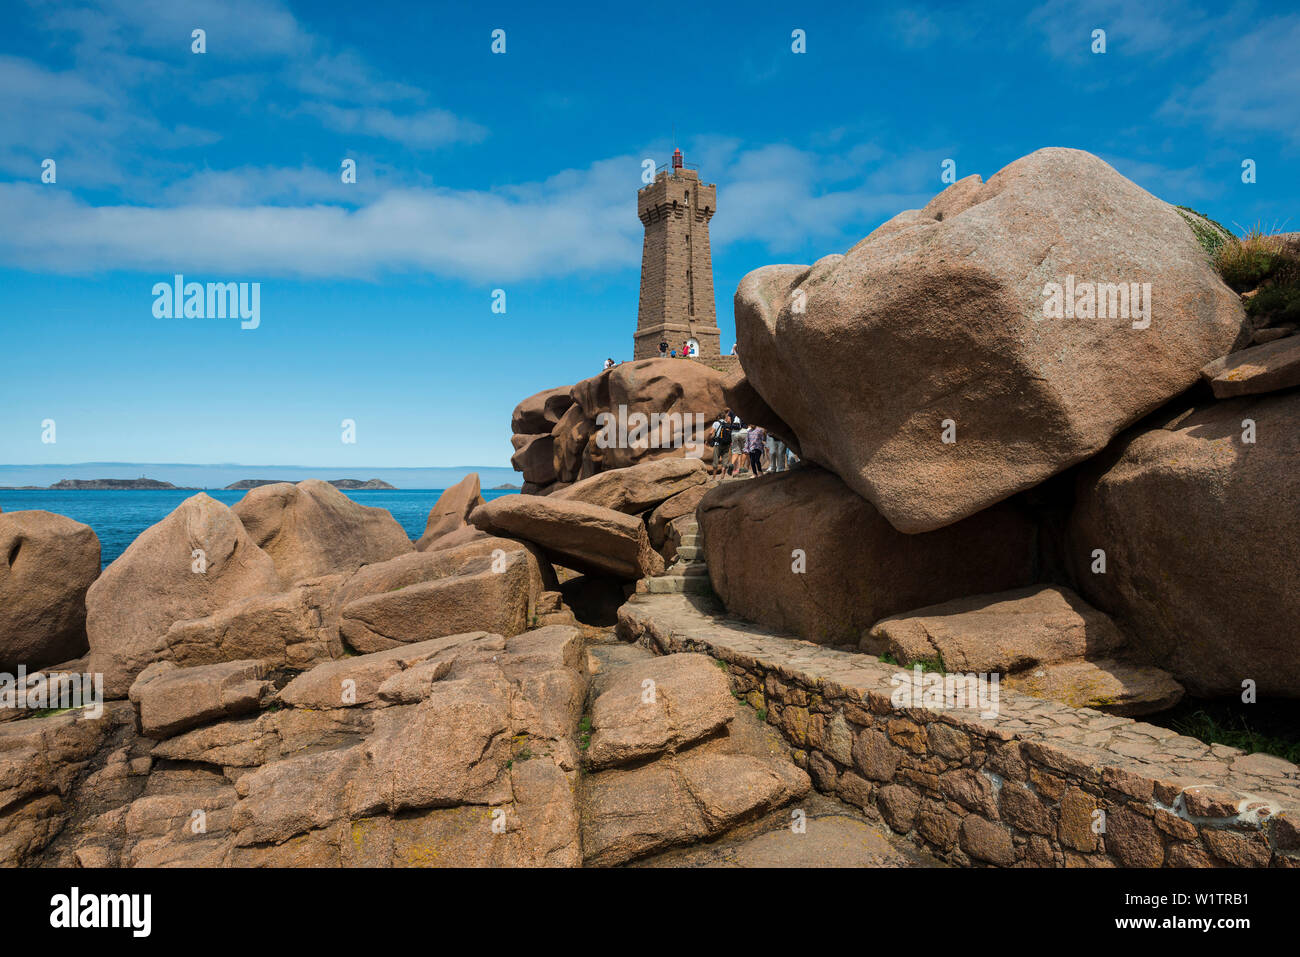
[{"x": 676, "y": 265}]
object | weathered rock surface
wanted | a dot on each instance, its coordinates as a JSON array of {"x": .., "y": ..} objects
[
  {"x": 1114, "y": 687},
  {"x": 1200, "y": 536},
  {"x": 535, "y": 456},
  {"x": 358, "y": 681},
  {"x": 313, "y": 529},
  {"x": 296, "y": 628},
  {"x": 488, "y": 584},
  {"x": 47, "y": 563},
  {"x": 568, "y": 441},
  {"x": 802, "y": 552},
  {"x": 658, "y": 705},
  {"x": 664, "y": 406},
  {"x": 540, "y": 412},
  {"x": 629, "y": 813},
  {"x": 41, "y": 762},
  {"x": 584, "y": 537},
  {"x": 451, "y": 512},
  {"x": 194, "y": 562},
  {"x": 1270, "y": 367},
  {"x": 939, "y": 321},
  {"x": 638, "y": 487},
  {"x": 744, "y": 401},
  {"x": 270, "y": 736},
  {"x": 1005, "y": 632},
  {"x": 173, "y": 699}
]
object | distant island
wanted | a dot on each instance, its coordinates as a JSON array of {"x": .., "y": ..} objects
[
  {"x": 505, "y": 487},
  {"x": 351, "y": 485},
  {"x": 114, "y": 485}
]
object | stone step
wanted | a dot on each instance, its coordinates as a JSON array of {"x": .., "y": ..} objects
[
  {"x": 676, "y": 585},
  {"x": 690, "y": 552},
  {"x": 689, "y": 569}
]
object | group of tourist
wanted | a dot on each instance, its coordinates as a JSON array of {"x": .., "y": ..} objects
[
  {"x": 740, "y": 449},
  {"x": 687, "y": 350}
]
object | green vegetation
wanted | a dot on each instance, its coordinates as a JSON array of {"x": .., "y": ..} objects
[
  {"x": 934, "y": 664},
  {"x": 1254, "y": 728},
  {"x": 1266, "y": 267},
  {"x": 1210, "y": 234},
  {"x": 49, "y": 712}
]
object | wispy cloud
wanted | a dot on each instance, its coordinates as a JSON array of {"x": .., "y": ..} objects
[
  {"x": 303, "y": 222},
  {"x": 1252, "y": 84},
  {"x": 425, "y": 129},
  {"x": 129, "y": 61}
]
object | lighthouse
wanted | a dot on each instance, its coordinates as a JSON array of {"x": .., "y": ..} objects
[{"x": 676, "y": 264}]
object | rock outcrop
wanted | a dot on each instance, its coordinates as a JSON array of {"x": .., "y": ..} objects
[
  {"x": 296, "y": 628},
  {"x": 47, "y": 563},
  {"x": 970, "y": 350},
  {"x": 1114, "y": 687},
  {"x": 637, "y": 488},
  {"x": 540, "y": 412},
  {"x": 1270, "y": 367},
  {"x": 1189, "y": 536},
  {"x": 637, "y": 411},
  {"x": 802, "y": 552},
  {"x": 1005, "y": 632},
  {"x": 196, "y": 561},
  {"x": 665, "y": 704},
  {"x": 1044, "y": 641},
  {"x": 313, "y": 529},
  {"x": 451, "y": 512},
  {"x": 586, "y": 538},
  {"x": 172, "y": 699},
  {"x": 490, "y": 584}
]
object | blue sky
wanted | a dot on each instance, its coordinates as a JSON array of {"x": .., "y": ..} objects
[{"x": 478, "y": 171}]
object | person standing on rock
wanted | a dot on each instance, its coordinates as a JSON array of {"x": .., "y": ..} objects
[
  {"x": 755, "y": 444},
  {"x": 663, "y": 348}
]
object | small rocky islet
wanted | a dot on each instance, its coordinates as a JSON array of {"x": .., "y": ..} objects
[{"x": 635, "y": 663}]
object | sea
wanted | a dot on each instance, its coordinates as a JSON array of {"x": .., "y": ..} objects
[{"x": 119, "y": 516}]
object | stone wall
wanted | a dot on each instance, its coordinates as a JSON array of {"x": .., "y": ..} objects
[
  {"x": 724, "y": 364},
  {"x": 1023, "y": 788}
]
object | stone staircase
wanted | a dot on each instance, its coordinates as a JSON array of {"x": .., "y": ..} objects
[{"x": 688, "y": 575}]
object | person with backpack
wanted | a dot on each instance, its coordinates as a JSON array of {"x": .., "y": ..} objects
[{"x": 720, "y": 440}]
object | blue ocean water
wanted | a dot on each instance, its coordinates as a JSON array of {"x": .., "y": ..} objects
[{"x": 118, "y": 517}]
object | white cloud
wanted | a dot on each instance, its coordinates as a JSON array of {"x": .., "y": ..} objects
[
  {"x": 102, "y": 112},
  {"x": 425, "y": 129},
  {"x": 575, "y": 221}
]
